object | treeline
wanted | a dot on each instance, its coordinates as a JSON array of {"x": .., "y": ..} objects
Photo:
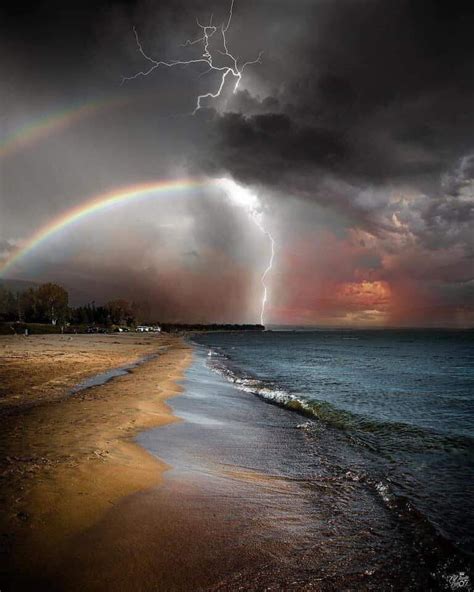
[
  {"x": 49, "y": 303},
  {"x": 115, "y": 312}
]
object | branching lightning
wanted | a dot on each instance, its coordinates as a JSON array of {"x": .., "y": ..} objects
[
  {"x": 208, "y": 57},
  {"x": 227, "y": 66}
]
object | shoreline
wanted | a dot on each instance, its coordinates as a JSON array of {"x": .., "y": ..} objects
[
  {"x": 246, "y": 505},
  {"x": 66, "y": 460},
  {"x": 228, "y": 492}
]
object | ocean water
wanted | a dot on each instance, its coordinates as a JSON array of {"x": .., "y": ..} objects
[{"x": 391, "y": 409}]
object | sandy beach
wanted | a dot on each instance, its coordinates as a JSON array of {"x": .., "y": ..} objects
[
  {"x": 66, "y": 459},
  {"x": 41, "y": 368},
  {"x": 126, "y": 487}
]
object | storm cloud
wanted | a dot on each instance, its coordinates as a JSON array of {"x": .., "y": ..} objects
[{"x": 356, "y": 130}]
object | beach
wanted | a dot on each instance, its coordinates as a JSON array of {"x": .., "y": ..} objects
[
  {"x": 125, "y": 486},
  {"x": 66, "y": 458},
  {"x": 88, "y": 507}
]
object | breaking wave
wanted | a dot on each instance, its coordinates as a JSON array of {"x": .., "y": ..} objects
[{"x": 362, "y": 430}]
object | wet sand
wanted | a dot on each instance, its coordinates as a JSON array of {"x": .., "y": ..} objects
[{"x": 66, "y": 459}]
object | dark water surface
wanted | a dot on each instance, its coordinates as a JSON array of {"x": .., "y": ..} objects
[
  {"x": 352, "y": 494},
  {"x": 404, "y": 399}
]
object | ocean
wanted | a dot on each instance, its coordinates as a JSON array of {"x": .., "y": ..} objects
[{"x": 390, "y": 410}]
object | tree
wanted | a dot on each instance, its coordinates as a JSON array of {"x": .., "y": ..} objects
[
  {"x": 9, "y": 305},
  {"x": 52, "y": 302},
  {"x": 119, "y": 312},
  {"x": 28, "y": 305}
]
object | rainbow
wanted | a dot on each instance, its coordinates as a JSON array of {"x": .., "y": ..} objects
[
  {"x": 30, "y": 133},
  {"x": 99, "y": 203}
]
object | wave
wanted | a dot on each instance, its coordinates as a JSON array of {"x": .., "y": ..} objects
[{"x": 379, "y": 436}]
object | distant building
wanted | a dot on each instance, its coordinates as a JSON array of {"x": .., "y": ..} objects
[{"x": 148, "y": 329}]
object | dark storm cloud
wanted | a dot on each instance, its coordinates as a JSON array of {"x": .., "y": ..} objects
[
  {"x": 378, "y": 100},
  {"x": 268, "y": 146},
  {"x": 367, "y": 90},
  {"x": 380, "y": 92}
]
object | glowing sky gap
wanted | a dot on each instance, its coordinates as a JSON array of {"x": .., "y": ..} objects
[
  {"x": 41, "y": 127},
  {"x": 249, "y": 201},
  {"x": 206, "y": 57},
  {"x": 236, "y": 194}
]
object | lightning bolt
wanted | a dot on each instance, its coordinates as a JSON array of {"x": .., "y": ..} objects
[
  {"x": 208, "y": 57},
  {"x": 258, "y": 221},
  {"x": 230, "y": 67},
  {"x": 246, "y": 199}
]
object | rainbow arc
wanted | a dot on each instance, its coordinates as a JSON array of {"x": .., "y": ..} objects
[{"x": 99, "y": 203}]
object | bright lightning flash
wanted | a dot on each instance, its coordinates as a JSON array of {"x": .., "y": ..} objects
[
  {"x": 247, "y": 200},
  {"x": 226, "y": 64}
]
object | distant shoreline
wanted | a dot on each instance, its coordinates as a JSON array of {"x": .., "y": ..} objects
[{"x": 20, "y": 328}]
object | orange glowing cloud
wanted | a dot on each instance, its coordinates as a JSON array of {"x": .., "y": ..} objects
[{"x": 364, "y": 295}]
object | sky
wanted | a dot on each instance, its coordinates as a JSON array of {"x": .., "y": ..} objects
[{"x": 354, "y": 132}]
